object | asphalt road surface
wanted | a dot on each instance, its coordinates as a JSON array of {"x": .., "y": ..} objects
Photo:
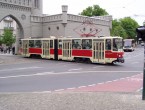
[{"x": 18, "y": 74}]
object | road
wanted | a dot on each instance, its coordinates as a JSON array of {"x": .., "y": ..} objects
[{"x": 18, "y": 74}]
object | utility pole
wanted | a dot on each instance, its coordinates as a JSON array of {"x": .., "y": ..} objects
[{"x": 141, "y": 34}]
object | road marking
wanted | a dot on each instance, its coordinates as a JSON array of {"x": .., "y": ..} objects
[
  {"x": 17, "y": 76},
  {"x": 115, "y": 85},
  {"x": 20, "y": 68},
  {"x": 95, "y": 85},
  {"x": 75, "y": 69},
  {"x": 92, "y": 85},
  {"x": 135, "y": 79},
  {"x": 98, "y": 66},
  {"x": 140, "y": 89},
  {"x": 82, "y": 86},
  {"x": 42, "y": 92},
  {"x": 60, "y": 73},
  {"x": 100, "y": 72},
  {"x": 71, "y": 88},
  {"x": 59, "y": 90}
]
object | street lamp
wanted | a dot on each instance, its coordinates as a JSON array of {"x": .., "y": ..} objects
[{"x": 141, "y": 34}]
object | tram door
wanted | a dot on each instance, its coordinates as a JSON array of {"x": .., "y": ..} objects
[
  {"x": 66, "y": 50},
  {"x": 25, "y": 47},
  {"x": 98, "y": 51},
  {"x": 46, "y": 49}
]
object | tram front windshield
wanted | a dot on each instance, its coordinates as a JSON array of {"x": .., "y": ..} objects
[{"x": 117, "y": 44}]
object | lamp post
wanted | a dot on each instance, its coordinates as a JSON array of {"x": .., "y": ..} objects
[{"x": 141, "y": 34}]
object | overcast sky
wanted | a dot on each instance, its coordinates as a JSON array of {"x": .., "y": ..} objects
[{"x": 116, "y": 8}]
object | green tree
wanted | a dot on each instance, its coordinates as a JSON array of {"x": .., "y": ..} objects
[
  {"x": 1, "y": 40},
  {"x": 94, "y": 10},
  {"x": 117, "y": 29},
  {"x": 8, "y": 38},
  {"x": 129, "y": 25}
]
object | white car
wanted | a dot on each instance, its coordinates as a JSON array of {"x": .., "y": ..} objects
[{"x": 128, "y": 48}]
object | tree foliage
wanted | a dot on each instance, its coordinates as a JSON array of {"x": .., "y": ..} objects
[
  {"x": 94, "y": 10},
  {"x": 117, "y": 29},
  {"x": 124, "y": 27},
  {"x": 1, "y": 40},
  {"x": 8, "y": 38},
  {"x": 129, "y": 26}
]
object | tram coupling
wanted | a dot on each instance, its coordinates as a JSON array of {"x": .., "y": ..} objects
[{"x": 120, "y": 60}]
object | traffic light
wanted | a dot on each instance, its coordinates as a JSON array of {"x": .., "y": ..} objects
[{"x": 141, "y": 32}]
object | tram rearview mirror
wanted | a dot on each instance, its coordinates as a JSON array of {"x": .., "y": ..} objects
[{"x": 141, "y": 32}]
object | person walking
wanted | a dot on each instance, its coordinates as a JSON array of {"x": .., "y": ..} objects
[
  {"x": 13, "y": 50},
  {"x": 9, "y": 49}
]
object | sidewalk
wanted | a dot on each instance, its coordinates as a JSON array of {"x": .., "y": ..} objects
[
  {"x": 72, "y": 101},
  {"x": 6, "y": 54},
  {"x": 1, "y": 60}
]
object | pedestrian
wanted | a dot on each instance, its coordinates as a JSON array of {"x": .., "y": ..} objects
[
  {"x": 9, "y": 49},
  {"x": 13, "y": 50},
  {"x": 2, "y": 49},
  {"x": 5, "y": 49}
]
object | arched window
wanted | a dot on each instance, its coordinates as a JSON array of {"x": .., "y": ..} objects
[{"x": 36, "y": 3}]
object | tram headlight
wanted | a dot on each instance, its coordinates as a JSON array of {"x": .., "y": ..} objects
[{"x": 119, "y": 56}]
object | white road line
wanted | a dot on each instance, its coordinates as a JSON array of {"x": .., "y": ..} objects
[
  {"x": 101, "y": 83},
  {"x": 17, "y": 76},
  {"x": 15, "y": 69},
  {"x": 71, "y": 88},
  {"x": 42, "y": 92},
  {"x": 139, "y": 89},
  {"x": 89, "y": 86},
  {"x": 82, "y": 86},
  {"x": 98, "y": 66},
  {"x": 52, "y": 73},
  {"x": 75, "y": 69},
  {"x": 108, "y": 81},
  {"x": 92, "y": 85},
  {"x": 59, "y": 90},
  {"x": 100, "y": 72}
]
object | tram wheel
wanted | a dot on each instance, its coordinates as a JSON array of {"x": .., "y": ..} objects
[
  {"x": 78, "y": 60},
  {"x": 113, "y": 63},
  {"x": 88, "y": 61}
]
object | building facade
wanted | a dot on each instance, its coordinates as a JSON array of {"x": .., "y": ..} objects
[
  {"x": 32, "y": 23},
  {"x": 8, "y": 23}
]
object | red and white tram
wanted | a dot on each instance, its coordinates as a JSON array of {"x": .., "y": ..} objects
[{"x": 91, "y": 49}]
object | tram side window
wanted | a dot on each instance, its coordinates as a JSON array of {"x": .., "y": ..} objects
[
  {"x": 31, "y": 43},
  {"x": 76, "y": 44},
  {"x": 38, "y": 44},
  {"x": 51, "y": 43},
  {"x": 115, "y": 45},
  {"x": 108, "y": 44},
  {"x": 87, "y": 44},
  {"x": 60, "y": 44}
]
